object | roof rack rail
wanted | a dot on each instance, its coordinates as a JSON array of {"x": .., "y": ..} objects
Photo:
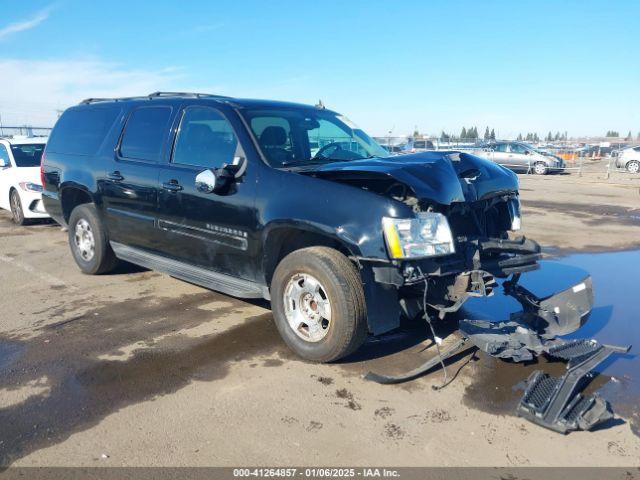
[
  {"x": 152, "y": 96},
  {"x": 184, "y": 94}
]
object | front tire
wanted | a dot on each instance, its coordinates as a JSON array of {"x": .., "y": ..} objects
[
  {"x": 17, "y": 214},
  {"x": 633, "y": 166},
  {"x": 540, "y": 168},
  {"x": 318, "y": 304},
  {"x": 89, "y": 242}
]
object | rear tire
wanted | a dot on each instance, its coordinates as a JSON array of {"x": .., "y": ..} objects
[
  {"x": 633, "y": 166},
  {"x": 319, "y": 286},
  {"x": 539, "y": 168},
  {"x": 89, "y": 241},
  {"x": 17, "y": 214}
]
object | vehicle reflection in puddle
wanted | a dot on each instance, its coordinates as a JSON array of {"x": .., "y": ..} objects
[{"x": 613, "y": 320}]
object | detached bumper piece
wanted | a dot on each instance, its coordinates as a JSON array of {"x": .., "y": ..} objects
[
  {"x": 503, "y": 257},
  {"x": 556, "y": 403}
]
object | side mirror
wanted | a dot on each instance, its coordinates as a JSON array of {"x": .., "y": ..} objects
[
  {"x": 237, "y": 168},
  {"x": 212, "y": 180},
  {"x": 215, "y": 180},
  {"x": 527, "y": 152}
]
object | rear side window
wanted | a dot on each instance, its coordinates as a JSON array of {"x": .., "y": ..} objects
[
  {"x": 145, "y": 132},
  {"x": 81, "y": 131}
]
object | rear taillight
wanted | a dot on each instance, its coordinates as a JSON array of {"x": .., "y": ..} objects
[{"x": 42, "y": 170}]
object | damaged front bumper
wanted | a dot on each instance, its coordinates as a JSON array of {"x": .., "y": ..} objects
[{"x": 554, "y": 403}]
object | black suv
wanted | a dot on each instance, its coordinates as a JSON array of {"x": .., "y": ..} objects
[{"x": 287, "y": 202}]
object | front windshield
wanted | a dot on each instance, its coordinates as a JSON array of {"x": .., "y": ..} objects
[
  {"x": 27, "y": 154},
  {"x": 298, "y": 137}
]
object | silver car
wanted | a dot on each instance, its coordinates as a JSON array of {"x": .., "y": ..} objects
[
  {"x": 520, "y": 156},
  {"x": 629, "y": 159}
]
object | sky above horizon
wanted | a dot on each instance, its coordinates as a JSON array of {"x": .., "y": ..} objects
[{"x": 516, "y": 67}]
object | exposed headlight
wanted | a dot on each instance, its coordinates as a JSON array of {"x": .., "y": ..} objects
[
  {"x": 427, "y": 235},
  {"x": 30, "y": 187},
  {"x": 514, "y": 213}
]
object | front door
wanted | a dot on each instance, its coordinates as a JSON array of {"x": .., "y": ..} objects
[
  {"x": 211, "y": 230},
  {"x": 520, "y": 155}
]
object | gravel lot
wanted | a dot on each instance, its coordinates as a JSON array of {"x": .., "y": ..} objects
[{"x": 139, "y": 369}]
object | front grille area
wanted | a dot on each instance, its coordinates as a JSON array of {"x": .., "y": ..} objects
[{"x": 486, "y": 218}]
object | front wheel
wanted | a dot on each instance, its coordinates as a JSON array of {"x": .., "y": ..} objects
[
  {"x": 17, "y": 214},
  {"x": 318, "y": 304},
  {"x": 88, "y": 241},
  {"x": 633, "y": 166},
  {"x": 539, "y": 168}
]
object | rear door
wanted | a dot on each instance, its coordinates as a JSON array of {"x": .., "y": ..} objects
[
  {"x": 211, "y": 230},
  {"x": 130, "y": 186},
  {"x": 500, "y": 154}
]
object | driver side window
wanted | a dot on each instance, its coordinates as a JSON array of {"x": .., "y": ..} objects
[{"x": 517, "y": 148}]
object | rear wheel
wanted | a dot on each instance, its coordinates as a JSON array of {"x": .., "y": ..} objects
[
  {"x": 89, "y": 242},
  {"x": 17, "y": 214},
  {"x": 633, "y": 166},
  {"x": 318, "y": 304},
  {"x": 539, "y": 168}
]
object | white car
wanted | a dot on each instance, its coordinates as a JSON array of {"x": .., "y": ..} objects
[
  {"x": 629, "y": 158},
  {"x": 20, "y": 185}
]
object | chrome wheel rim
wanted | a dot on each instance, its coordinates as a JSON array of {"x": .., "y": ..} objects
[
  {"x": 539, "y": 168},
  {"x": 307, "y": 307},
  {"x": 634, "y": 167},
  {"x": 84, "y": 241},
  {"x": 16, "y": 208}
]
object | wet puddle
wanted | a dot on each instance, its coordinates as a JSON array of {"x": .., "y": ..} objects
[{"x": 613, "y": 320}]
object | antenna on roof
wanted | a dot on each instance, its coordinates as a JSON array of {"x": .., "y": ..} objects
[{"x": 320, "y": 105}]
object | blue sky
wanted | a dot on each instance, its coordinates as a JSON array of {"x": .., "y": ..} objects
[{"x": 515, "y": 66}]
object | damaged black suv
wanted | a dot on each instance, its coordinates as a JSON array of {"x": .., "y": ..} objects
[{"x": 287, "y": 202}]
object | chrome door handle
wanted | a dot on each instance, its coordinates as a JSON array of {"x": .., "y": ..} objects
[
  {"x": 115, "y": 176},
  {"x": 172, "y": 186}
]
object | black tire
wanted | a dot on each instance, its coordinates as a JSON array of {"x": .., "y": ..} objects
[
  {"x": 347, "y": 330},
  {"x": 17, "y": 214},
  {"x": 103, "y": 259},
  {"x": 540, "y": 168},
  {"x": 633, "y": 166}
]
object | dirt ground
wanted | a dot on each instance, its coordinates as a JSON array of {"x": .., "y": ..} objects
[{"x": 139, "y": 369}]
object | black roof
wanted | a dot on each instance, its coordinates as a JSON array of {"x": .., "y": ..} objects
[{"x": 238, "y": 102}]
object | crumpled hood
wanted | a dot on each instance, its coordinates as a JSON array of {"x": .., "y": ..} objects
[{"x": 435, "y": 176}]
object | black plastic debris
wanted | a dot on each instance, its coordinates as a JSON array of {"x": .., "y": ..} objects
[{"x": 556, "y": 403}]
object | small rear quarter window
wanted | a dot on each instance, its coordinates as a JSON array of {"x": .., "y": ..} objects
[{"x": 81, "y": 131}]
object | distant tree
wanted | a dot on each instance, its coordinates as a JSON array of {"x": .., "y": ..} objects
[
  {"x": 463, "y": 133},
  {"x": 536, "y": 138},
  {"x": 487, "y": 135},
  {"x": 613, "y": 133},
  {"x": 549, "y": 137},
  {"x": 445, "y": 137},
  {"x": 629, "y": 137},
  {"x": 519, "y": 137},
  {"x": 493, "y": 134}
]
